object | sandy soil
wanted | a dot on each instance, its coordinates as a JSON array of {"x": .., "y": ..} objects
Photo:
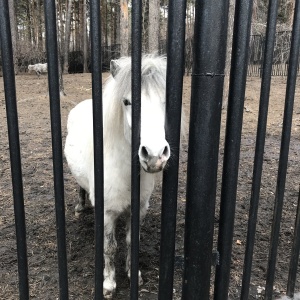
[{"x": 35, "y": 137}]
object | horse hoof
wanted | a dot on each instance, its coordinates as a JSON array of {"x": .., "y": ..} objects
[
  {"x": 107, "y": 294},
  {"x": 79, "y": 208},
  {"x": 141, "y": 282},
  {"x": 77, "y": 214},
  {"x": 109, "y": 287}
]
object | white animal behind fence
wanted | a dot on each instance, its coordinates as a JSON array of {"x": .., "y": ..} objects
[
  {"x": 154, "y": 150},
  {"x": 296, "y": 297},
  {"x": 38, "y": 68}
]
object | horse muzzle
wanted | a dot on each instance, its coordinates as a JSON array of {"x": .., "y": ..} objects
[{"x": 154, "y": 162}]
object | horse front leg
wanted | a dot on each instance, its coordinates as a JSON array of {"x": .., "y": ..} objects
[
  {"x": 81, "y": 202},
  {"x": 128, "y": 242},
  {"x": 110, "y": 246}
]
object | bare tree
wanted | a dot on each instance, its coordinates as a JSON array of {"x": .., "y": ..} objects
[
  {"x": 124, "y": 31},
  {"x": 115, "y": 19},
  {"x": 154, "y": 21},
  {"x": 61, "y": 82},
  {"x": 104, "y": 26},
  {"x": 60, "y": 26},
  {"x": 39, "y": 26},
  {"x": 84, "y": 36},
  {"x": 67, "y": 37},
  {"x": 13, "y": 28},
  {"x": 116, "y": 35},
  {"x": 290, "y": 7},
  {"x": 228, "y": 53}
]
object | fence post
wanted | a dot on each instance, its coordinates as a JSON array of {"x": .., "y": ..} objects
[
  {"x": 96, "y": 56},
  {"x": 266, "y": 72},
  {"x": 136, "y": 75},
  {"x": 54, "y": 94},
  {"x": 207, "y": 89},
  {"x": 175, "y": 71},
  {"x": 14, "y": 147},
  {"x": 284, "y": 149},
  {"x": 294, "y": 254},
  {"x": 238, "y": 75}
]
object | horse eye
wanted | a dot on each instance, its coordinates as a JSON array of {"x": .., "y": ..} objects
[{"x": 126, "y": 102}]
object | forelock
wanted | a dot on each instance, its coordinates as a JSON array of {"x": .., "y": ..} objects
[{"x": 153, "y": 74}]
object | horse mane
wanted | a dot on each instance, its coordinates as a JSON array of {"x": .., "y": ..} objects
[
  {"x": 153, "y": 74},
  {"x": 153, "y": 78}
]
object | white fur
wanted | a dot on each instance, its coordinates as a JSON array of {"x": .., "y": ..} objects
[
  {"x": 38, "y": 68},
  {"x": 153, "y": 153},
  {"x": 296, "y": 297}
]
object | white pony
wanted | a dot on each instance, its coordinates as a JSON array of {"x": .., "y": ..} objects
[
  {"x": 38, "y": 68},
  {"x": 154, "y": 150},
  {"x": 296, "y": 297}
]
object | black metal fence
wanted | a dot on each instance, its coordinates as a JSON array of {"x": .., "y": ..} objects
[
  {"x": 281, "y": 54},
  {"x": 204, "y": 133}
]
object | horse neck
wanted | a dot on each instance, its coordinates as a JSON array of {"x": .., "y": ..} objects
[{"x": 113, "y": 123}]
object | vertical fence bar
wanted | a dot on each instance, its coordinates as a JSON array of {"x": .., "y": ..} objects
[
  {"x": 54, "y": 93},
  {"x": 211, "y": 19},
  {"x": 238, "y": 75},
  {"x": 295, "y": 254},
  {"x": 284, "y": 149},
  {"x": 95, "y": 23},
  {"x": 136, "y": 49},
  {"x": 14, "y": 147},
  {"x": 260, "y": 144},
  {"x": 175, "y": 71}
]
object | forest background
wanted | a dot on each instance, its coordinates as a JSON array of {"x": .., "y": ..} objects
[{"x": 28, "y": 30}]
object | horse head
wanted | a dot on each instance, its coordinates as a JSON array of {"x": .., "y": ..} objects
[{"x": 154, "y": 150}]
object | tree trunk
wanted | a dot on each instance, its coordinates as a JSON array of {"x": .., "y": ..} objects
[
  {"x": 228, "y": 54},
  {"x": 58, "y": 27},
  {"x": 67, "y": 37},
  {"x": 61, "y": 82},
  {"x": 84, "y": 36},
  {"x": 39, "y": 27},
  {"x": 104, "y": 22},
  {"x": 124, "y": 27},
  {"x": 290, "y": 12},
  {"x": 34, "y": 24},
  {"x": 154, "y": 21},
  {"x": 60, "y": 31},
  {"x": 77, "y": 26},
  {"x": 13, "y": 28},
  {"x": 28, "y": 24},
  {"x": 117, "y": 24}
]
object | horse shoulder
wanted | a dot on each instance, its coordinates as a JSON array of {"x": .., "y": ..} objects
[
  {"x": 79, "y": 144},
  {"x": 80, "y": 115}
]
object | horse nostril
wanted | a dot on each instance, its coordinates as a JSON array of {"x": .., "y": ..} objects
[
  {"x": 166, "y": 151},
  {"x": 144, "y": 152}
]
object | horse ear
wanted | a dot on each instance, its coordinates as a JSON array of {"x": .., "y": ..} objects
[{"x": 114, "y": 67}]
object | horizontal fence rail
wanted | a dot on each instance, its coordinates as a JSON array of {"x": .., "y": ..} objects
[{"x": 201, "y": 231}]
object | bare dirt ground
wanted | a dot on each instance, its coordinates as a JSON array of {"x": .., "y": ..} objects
[{"x": 35, "y": 137}]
